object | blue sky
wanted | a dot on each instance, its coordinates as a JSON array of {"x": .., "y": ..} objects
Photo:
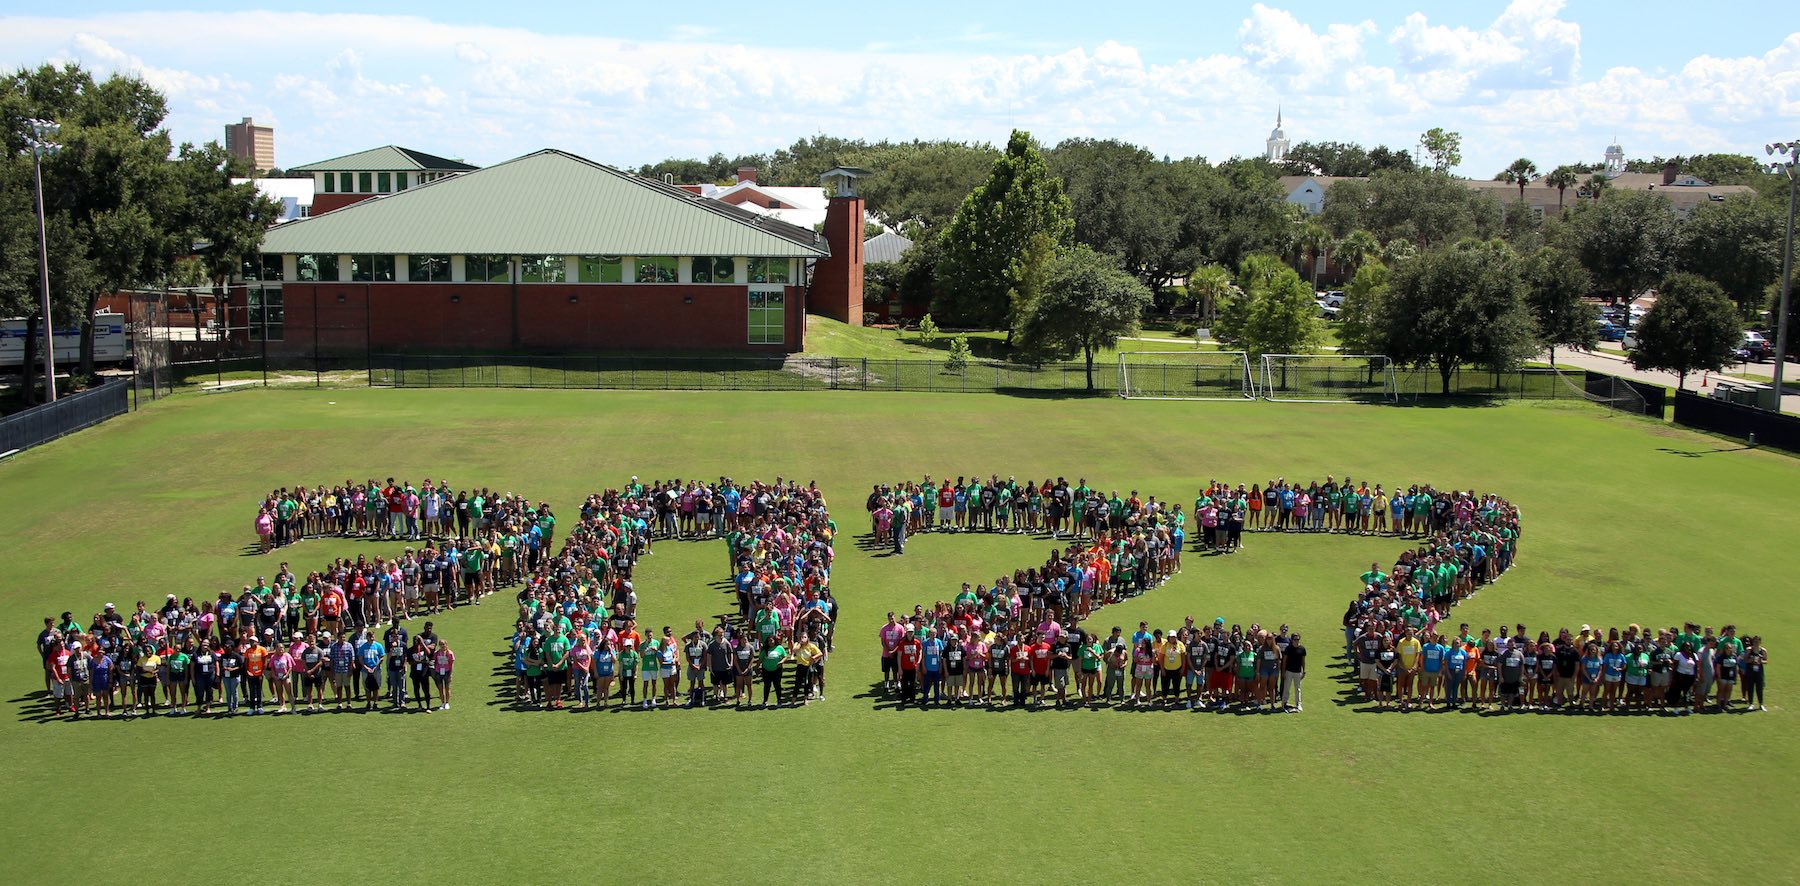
[{"x": 632, "y": 83}]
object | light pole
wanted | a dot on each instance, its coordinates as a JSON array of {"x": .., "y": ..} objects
[
  {"x": 1790, "y": 152},
  {"x": 39, "y": 135}
]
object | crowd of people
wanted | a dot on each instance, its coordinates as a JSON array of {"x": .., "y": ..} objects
[
  {"x": 577, "y": 640},
  {"x": 186, "y": 659},
  {"x": 1022, "y": 640},
  {"x": 1398, "y": 642},
  {"x": 390, "y": 510}
]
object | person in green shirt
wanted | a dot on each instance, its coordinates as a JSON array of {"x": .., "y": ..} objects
[
  {"x": 178, "y": 664},
  {"x": 534, "y": 671},
  {"x": 773, "y": 657},
  {"x": 1088, "y": 679},
  {"x": 628, "y": 671},
  {"x": 556, "y": 664},
  {"x": 650, "y": 658}
]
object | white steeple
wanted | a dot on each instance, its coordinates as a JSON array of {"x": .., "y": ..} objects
[
  {"x": 1276, "y": 148},
  {"x": 1615, "y": 158}
]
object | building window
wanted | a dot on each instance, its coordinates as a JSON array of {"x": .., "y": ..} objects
[
  {"x": 365, "y": 183},
  {"x": 600, "y": 269},
  {"x": 428, "y": 268},
  {"x": 768, "y": 320},
  {"x": 316, "y": 268},
  {"x": 372, "y": 268},
  {"x": 714, "y": 270},
  {"x": 399, "y": 181},
  {"x": 262, "y": 267},
  {"x": 658, "y": 269},
  {"x": 485, "y": 268},
  {"x": 769, "y": 270},
  {"x": 266, "y": 312},
  {"x": 346, "y": 182},
  {"x": 384, "y": 182},
  {"x": 330, "y": 182},
  {"x": 542, "y": 269}
]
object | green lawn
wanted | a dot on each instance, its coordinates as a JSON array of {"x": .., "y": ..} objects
[{"x": 1622, "y": 526}]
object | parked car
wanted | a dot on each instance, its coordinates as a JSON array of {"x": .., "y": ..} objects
[
  {"x": 1755, "y": 348},
  {"x": 1328, "y": 312},
  {"x": 1334, "y": 298},
  {"x": 1611, "y": 332}
]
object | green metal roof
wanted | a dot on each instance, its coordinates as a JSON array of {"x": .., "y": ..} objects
[
  {"x": 387, "y": 158},
  {"x": 547, "y": 203}
]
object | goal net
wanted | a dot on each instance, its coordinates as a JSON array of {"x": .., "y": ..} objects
[
  {"x": 1186, "y": 375},
  {"x": 1606, "y": 390},
  {"x": 1337, "y": 378}
]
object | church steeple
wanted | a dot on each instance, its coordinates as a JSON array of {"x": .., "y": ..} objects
[{"x": 1276, "y": 148}]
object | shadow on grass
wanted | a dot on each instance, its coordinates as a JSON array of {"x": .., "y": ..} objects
[
  {"x": 889, "y": 700},
  {"x": 1696, "y": 453}
]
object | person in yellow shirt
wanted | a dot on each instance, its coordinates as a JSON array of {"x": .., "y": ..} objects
[
  {"x": 1173, "y": 656},
  {"x": 1410, "y": 650},
  {"x": 1379, "y": 507},
  {"x": 809, "y": 669}
]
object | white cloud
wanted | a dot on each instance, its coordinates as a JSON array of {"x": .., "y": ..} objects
[{"x": 488, "y": 93}]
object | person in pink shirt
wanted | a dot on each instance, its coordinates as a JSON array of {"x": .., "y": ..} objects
[
  {"x": 265, "y": 529},
  {"x": 890, "y": 634},
  {"x": 280, "y": 667},
  {"x": 442, "y": 661}
]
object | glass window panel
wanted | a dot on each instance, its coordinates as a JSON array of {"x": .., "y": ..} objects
[
  {"x": 542, "y": 269},
  {"x": 365, "y": 183},
  {"x": 428, "y": 268},
  {"x": 657, "y": 269},
  {"x": 330, "y": 182},
  {"x": 399, "y": 181},
  {"x": 384, "y": 182},
  {"x": 601, "y": 269}
]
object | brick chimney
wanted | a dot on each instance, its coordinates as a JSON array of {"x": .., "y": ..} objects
[
  {"x": 837, "y": 281},
  {"x": 1670, "y": 170},
  {"x": 746, "y": 174}
]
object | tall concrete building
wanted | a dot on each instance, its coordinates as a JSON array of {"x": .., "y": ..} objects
[{"x": 251, "y": 143}]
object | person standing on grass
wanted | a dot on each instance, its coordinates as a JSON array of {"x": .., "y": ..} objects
[
  {"x": 909, "y": 655},
  {"x": 774, "y": 657},
  {"x": 370, "y": 657}
]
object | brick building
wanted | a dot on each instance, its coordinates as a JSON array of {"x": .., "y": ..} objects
[
  {"x": 550, "y": 251},
  {"x": 253, "y": 144}
]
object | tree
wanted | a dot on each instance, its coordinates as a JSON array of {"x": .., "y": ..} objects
[
  {"x": 1362, "y": 323},
  {"x": 1275, "y": 312},
  {"x": 1444, "y": 148},
  {"x": 1357, "y": 247},
  {"x": 1207, "y": 285},
  {"x": 1090, "y": 304},
  {"x": 919, "y": 182},
  {"x": 1555, "y": 284},
  {"x": 1328, "y": 158},
  {"x": 1422, "y": 207},
  {"x": 1315, "y": 242},
  {"x": 1627, "y": 242},
  {"x": 1384, "y": 157},
  {"x": 1596, "y": 185},
  {"x": 928, "y": 329},
  {"x": 1737, "y": 244},
  {"x": 1121, "y": 199},
  {"x": 1007, "y": 231},
  {"x": 958, "y": 359},
  {"x": 1520, "y": 173},
  {"x": 1692, "y": 326},
  {"x": 1459, "y": 305},
  {"x": 1561, "y": 178}
]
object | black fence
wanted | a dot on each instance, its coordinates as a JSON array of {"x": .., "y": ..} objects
[
  {"x": 1734, "y": 420},
  {"x": 71, "y": 413},
  {"x": 1625, "y": 395}
]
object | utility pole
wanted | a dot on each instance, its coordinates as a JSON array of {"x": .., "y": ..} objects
[{"x": 40, "y": 133}]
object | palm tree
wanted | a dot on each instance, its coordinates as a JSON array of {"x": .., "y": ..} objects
[
  {"x": 1357, "y": 247},
  {"x": 1596, "y": 185},
  {"x": 1521, "y": 172},
  {"x": 1315, "y": 241},
  {"x": 1561, "y": 178},
  {"x": 1206, "y": 286}
]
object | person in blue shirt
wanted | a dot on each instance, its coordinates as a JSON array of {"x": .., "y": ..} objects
[
  {"x": 343, "y": 663},
  {"x": 1432, "y": 655},
  {"x": 1454, "y": 662},
  {"x": 931, "y": 667},
  {"x": 369, "y": 656},
  {"x": 1287, "y": 506}
]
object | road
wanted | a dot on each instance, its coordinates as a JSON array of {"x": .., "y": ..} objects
[{"x": 1611, "y": 365}]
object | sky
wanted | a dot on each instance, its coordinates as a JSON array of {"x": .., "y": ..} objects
[{"x": 627, "y": 84}]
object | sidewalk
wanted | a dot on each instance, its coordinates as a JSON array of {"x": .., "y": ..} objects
[{"x": 1697, "y": 382}]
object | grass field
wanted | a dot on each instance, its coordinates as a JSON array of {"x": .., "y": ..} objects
[{"x": 1626, "y": 520}]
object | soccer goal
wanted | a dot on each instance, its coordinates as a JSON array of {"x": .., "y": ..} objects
[
  {"x": 1186, "y": 375},
  {"x": 1337, "y": 378},
  {"x": 1609, "y": 391}
]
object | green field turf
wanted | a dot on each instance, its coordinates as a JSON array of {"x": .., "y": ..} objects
[{"x": 1626, "y": 520}]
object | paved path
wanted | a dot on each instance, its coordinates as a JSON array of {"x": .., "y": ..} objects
[{"x": 1611, "y": 365}]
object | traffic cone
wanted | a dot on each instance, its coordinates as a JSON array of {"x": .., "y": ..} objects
[{"x": 1703, "y": 379}]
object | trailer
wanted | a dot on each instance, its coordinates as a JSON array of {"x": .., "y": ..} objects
[{"x": 111, "y": 342}]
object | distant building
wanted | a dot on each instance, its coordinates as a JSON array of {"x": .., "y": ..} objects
[
  {"x": 1276, "y": 148},
  {"x": 353, "y": 178},
  {"x": 294, "y": 194},
  {"x": 252, "y": 144},
  {"x": 804, "y": 207}
]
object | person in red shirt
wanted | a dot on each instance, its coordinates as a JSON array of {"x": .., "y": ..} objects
[
  {"x": 396, "y": 505},
  {"x": 910, "y": 652},
  {"x": 1020, "y": 665},
  {"x": 1041, "y": 657}
]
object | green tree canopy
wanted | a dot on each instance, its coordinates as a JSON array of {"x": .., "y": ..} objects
[
  {"x": 1001, "y": 240},
  {"x": 1692, "y": 326},
  {"x": 1737, "y": 244},
  {"x": 1555, "y": 284},
  {"x": 1422, "y": 207},
  {"x": 1459, "y": 305},
  {"x": 1628, "y": 241},
  {"x": 1274, "y": 312},
  {"x": 1089, "y": 304}
]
